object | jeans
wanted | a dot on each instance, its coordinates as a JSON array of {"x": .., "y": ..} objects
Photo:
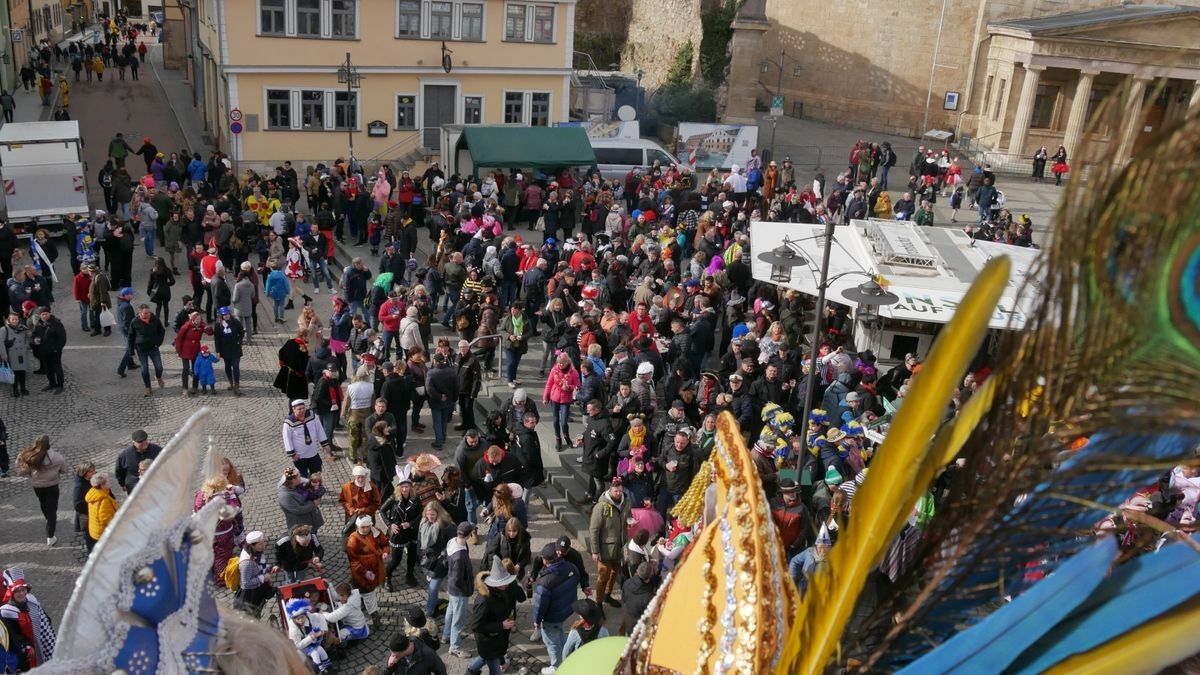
[
  {"x": 431, "y": 602},
  {"x": 279, "y": 305},
  {"x": 562, "y": 416},
  {"x": 985, "y": 212},
  {"x": 233, "y": 370},
  {"x": 84, "y": 314},
  {"x": 322, "y": 265},
  {"x": 145, "y": 356},
  {"x": 514, "y": 360},
  {"x": 357, "y": 307},
  {"x": 883, "y": 172},
  {"x": 456, "y": 618},
  {"x": 508, "y": 292},
  {"x": 554, "y": 638},
  {"x": 389, "y": 337},
  {"x": 493, "y": 665},
  {"x": 148, "y": 234},
  {"x": 441, "y": 417},
  {"x": 472, "y": 507},
  {"x": 48, "y": 501},
  {"x": 123, "y": 211},
  {"x": 452, "y": 294},
  {"x": 328, "y": 421}
]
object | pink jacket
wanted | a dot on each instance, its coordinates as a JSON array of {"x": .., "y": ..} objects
[{"x": 560, "y": 386}]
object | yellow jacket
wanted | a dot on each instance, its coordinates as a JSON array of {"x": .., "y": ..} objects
[{"x": 102, "y": 507}]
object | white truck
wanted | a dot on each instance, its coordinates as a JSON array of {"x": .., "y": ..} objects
[{"x": 44, "y": 175}]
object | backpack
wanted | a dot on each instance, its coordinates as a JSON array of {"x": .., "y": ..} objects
[{"x": 232, "y": 576}]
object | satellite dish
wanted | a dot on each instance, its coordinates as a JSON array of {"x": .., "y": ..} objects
[{"x": 626, "y": 113}]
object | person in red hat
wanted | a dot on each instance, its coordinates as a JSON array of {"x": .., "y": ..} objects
[{"x": 30, "y": 632}]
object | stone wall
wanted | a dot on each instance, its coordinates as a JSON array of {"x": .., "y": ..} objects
[
  {"x": 658, "y": 29},
  {"x": 867, "y": 64}
]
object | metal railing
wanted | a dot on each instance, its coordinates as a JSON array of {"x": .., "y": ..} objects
[
  {"x": 412, "y": 139},
  {"x": 1012, "y": 164},
  {"x": 499, "y": 351}
]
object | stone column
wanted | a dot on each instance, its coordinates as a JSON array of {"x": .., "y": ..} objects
[
  {"x": 746, "y": 53},
  {"x": 1132, "y": 116},
  {"x": 1077, "y": 120},
  {"x": 1016, "y": 143},
  {"x": 1194, "y": 103}
]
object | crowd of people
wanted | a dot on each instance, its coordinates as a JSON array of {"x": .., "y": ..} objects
[{"x": 644, "y": 321}]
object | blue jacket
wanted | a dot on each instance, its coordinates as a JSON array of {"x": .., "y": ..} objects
[
  {"x": 277, "y": 285},
  {"x": 197, "y": 170},
  {"x": 555, "y": 592},
  {"x": 125, "y": 315},
  {"x": 339, "y": 326},
  {"x": 202, "y": 368}
]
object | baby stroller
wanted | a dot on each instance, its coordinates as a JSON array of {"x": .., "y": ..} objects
[{"x": 319, "y": 596}]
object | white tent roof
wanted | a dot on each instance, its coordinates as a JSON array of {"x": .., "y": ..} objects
[{"x": 930, "y": 268}]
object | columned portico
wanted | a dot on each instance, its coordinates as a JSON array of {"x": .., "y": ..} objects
[
  {"x": 1131, "y": 116},
  {"x": 1079, "y": 108},
  {"x": 1016, "y": 144}
]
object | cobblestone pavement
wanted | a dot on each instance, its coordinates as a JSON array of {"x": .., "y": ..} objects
[{"x": 93, "y": 418}]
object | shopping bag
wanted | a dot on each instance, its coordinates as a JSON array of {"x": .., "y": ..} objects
[
  {"x": 107, "y": 320},
  {"x": 6, "y": 374}
]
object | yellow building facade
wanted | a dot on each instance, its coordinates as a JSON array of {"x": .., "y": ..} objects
[{"x": 422, "y": 63}]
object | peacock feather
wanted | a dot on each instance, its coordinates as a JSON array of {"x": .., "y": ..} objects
[{"x": 1096, "y": 399}]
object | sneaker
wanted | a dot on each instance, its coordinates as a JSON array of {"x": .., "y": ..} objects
[
  {"x": 317, "y": 291},
  {"x": 50, "y": 541},
  {"x": 456, "y": 652}
]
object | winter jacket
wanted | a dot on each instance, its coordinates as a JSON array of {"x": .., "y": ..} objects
[
  {"x": 126, "y": 471},
  {"x": 202, "y": 368},
  {"x": 486, "y": 617},
  {"x": 277, "y": 286},
  {"x": 47, "y": 474},
  {"x": 460, "y": 580},
  {"x": 606, "y": 533},
  {"x": 187, "y": 340},
  {"x": 14, "y": 346},
  {"x": 102, "y": 508},
  {"x": 599, "y": 442},
  {"x": 441, "y": 387},
  {"x": 298, "y": 510},
  {"x": 555, "y": 592},
  {"x": 561, "y": 386}
]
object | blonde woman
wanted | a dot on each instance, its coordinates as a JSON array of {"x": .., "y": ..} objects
[
  {"x": 770, "y": 343},
  {"x": 227, "y": 529},
  {"x": 433, "y": 534}
]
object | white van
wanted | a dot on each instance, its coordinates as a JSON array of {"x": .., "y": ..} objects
[{"x": 616, "y": 157}]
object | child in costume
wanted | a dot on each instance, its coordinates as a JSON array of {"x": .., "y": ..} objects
[{"x": 308, "y": 631}]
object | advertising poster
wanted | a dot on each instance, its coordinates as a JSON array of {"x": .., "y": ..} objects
[{"x": 716, "y": 145}]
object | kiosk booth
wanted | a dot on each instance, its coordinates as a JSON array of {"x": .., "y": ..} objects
[{"x": 930, "y": 268}]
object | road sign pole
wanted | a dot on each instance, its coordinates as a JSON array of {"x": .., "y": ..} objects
[{"x": 776, "y": 106}]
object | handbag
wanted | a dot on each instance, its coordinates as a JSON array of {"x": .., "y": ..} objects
[
  {"x": 107, "y": 320},
  {"x": 6, "y": 373},
  {"x": 540, "y": 225}
]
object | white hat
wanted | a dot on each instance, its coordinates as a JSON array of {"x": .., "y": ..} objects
[
  {"x": 645, "y": 368},
  {"x": 516, "y": 489},
  {"x": 298, "y": 401},
  {"x": 364, "y": 521},
  {"x": 360, "y": 470},
  {"x": 727, "y": 205},
  {"x": 254, "y": 537},
  {"x": 734, "y": 168}
]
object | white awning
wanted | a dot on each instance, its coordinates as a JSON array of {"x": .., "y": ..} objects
[{"x": 929, "y": 268}]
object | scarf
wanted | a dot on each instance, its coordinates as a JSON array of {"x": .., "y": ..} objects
[
  {"x": 637, "y": 438},
  {"x": 518, "y": 324}
]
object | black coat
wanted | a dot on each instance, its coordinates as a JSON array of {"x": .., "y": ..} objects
[
  {"x": 146, "y": 335},
  {"x": 227, "y": 338},
  {"x": 397, "y": 390},
  {"x": 381, "y": 460},
  {"x": 488, "y": 612},
  {"x": 599, "y": 442},
  {"x": 527, "y": 448},
  {"x": 396, "y": 511},
  {"x": 53, "y": 337}
]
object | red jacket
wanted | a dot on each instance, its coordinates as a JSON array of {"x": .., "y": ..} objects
[
  {"x": 389, "y": 319},
  {"x": 560, "y": 386},
  {"x": 187, "y": 340},
  {"x": 81, "y": 286}
]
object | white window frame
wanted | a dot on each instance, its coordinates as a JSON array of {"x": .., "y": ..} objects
[
  {"x": 267, "y": 108},
  {"x": 296, "y": 108},
  {"x": 482, "y": 108},
  {"x": 458, "y": 19},
  {"x": 416, "y": 111},
  {"x": 527, "y": 104},
  {"x": 426, "y": 19},
  {"x": 290, "y": 21},
  {"x": 530, "y": 13}
]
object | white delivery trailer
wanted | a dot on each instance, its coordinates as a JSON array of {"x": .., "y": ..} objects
[{"x": 43, "y": 173}]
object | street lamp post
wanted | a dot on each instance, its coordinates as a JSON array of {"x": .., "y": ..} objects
[
  {"x": 640, "y": 74},
  {"x": 869, "y": 293},
  {"x": 778, "y": 93},
  {"x": 349, "y": 76}
]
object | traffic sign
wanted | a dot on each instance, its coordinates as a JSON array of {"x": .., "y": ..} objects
[
  {"x": 235, "y": 115},
  {"x": 18, "y": 35},
  {"x": 235, "y": 128},
  {"x": 777, "y": 106}
]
